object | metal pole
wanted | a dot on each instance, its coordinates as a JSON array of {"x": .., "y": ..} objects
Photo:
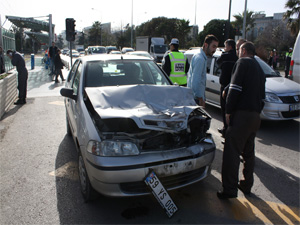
[
  {"x": 131, "y": 23},
  {"x": 244, "y": 22},
  {"x": 228, "y": 22},
  {"x": 50, "y": 30},
  {"x": 70, "y": 54}
]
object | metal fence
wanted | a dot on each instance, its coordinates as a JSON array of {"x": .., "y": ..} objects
[{"x": 7, "y": 40}]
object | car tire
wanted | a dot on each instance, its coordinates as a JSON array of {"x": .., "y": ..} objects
[
  {"x": 87, "y": 190},
  {"x": 69, "y": 131}
]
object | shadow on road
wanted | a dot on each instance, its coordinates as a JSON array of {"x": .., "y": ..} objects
[
  {"x": 198, "y": 203},
  {"x": 278, "y": 131}
]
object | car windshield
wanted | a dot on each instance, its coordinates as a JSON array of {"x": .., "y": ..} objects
[
  {"x": 117, "y": 72},
  {"x": 160, "y": 48},
  {"x": 269, "y": 71}
]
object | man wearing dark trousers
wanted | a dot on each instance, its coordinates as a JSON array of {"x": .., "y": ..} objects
[
  {"x": 52, "y": 53},
  {"x": 243, "y": 106},
  {"x": 226, "y": 63},
  {"x": 18, "y": 61}
]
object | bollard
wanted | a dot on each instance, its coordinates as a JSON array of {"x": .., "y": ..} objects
[{"x": 32, "y": 61}]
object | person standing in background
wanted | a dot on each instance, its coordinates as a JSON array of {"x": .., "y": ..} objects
[
  {"x": 2, "y": 64},
  {"x": 244, "y": 104},
  {"x": 18, "y": 61},
  {"x": 59, "y": 65},
  {"x": 288, "y": 57},
  {"x": 226, "y": 62},
  {"x": 196, "y": 79},
  {"x": 52, "y": 53}
]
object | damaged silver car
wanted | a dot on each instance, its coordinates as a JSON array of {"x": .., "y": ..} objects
[{"x": 127, "y": 119}]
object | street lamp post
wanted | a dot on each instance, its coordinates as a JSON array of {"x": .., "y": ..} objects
[
  {"x": 244, "y": 22},
  {"x": 131, "y": 23}
]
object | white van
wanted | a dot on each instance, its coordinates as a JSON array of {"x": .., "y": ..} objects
[{"x": 295, "y": 61}]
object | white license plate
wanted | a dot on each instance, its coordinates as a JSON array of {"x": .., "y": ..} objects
[
  {"x": 294, "y": 107},
  {"x": 160, "y": 193}
]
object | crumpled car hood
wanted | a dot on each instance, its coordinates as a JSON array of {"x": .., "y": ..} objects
[{"x": 156, "y": 107}]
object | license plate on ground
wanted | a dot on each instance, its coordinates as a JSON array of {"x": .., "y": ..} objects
[
  {"x": 294, "y": 107},
  {"x": 161, "y": 194}
]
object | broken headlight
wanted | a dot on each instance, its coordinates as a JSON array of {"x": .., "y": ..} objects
[{"x": 112, "y": 148}]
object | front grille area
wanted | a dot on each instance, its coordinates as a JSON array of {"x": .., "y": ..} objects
[
  {"x": 169, "y": 182},
  {"x": 291, "y": 114},
  {"x": 289, "y": 99}
]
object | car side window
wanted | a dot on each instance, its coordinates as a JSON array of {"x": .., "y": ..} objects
[
  {"x": 76, "y": 80},
  {"x": 217, "y": 70},
  {"x": 73, "y": 70}
]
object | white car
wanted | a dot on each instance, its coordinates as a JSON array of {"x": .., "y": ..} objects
[
  {"x": 140, "y": 53},
  {"x": 282, "y": 94}
]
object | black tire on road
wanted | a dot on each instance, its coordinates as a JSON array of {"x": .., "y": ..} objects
[{"x": 87, "y": 190}]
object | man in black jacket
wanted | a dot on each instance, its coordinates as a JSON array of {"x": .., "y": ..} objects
[
  {"x": 18, "y": 61},
  {"x": 52, "y": 53},
  {"x": 243, "y": 107},
  {"x": 226, "y": 63}
]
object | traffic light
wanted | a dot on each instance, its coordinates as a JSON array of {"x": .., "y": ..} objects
[{"x": 70, "y": 29}]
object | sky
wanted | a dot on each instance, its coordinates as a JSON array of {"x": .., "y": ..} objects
[{"x": 122, "y": 12}]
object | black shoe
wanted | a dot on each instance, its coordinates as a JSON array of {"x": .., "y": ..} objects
[
  {"x": 63, "y": 79},
  {"x": 244, "y": 190},
  {"x": 56, "y": 81},
  {"x": 20, "y": 102},
  {"x": 223, "y": 195}
]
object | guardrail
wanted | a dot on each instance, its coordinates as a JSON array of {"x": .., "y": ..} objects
[{"x": 8, "y": 92}]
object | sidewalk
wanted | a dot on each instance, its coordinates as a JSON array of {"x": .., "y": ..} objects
[{"x": 39, "y": 83}]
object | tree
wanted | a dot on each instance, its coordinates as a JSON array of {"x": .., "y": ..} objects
[
  {"x": 217, "y": 28},
  {"x": 60, "y": 41},
  {"x": 239, "y": 20},
  {"x": 95, "y": 34},
  {"x": 167, "y": 28},
  {"x": 293, "y": 10}
]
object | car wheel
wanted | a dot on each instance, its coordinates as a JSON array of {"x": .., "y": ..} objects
[
  {"x": 87, "y": 190},
  {"x": 69, "y": 132}
]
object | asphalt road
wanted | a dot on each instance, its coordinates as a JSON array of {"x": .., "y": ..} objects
[{"x": 39, "y": 179}]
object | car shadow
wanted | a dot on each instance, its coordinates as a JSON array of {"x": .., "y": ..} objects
[{"x": 278, "y": 131}]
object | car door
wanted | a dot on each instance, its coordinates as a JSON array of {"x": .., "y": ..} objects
[
  {"x": 213, "y": 86},
  {"x": 71, "y": 104}
]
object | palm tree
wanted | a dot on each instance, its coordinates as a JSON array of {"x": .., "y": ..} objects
[
  {"x": 239, "y": 18},
  {"x": 293, "y": 10}
]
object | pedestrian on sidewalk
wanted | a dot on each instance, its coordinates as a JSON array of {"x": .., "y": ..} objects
[
  {"x": 59, "y": 65},
  {"x": 2, "y": 65},
  {"x": 52, "y": 53},
  {"x": 18, "y": 61}
]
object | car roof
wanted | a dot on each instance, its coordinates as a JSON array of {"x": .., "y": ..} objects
[{"x": 107, "y": 57}]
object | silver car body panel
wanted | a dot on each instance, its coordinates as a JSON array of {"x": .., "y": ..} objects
[{"x": 171, "y": 105}]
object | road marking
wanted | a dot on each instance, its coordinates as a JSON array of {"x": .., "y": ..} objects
[
  {"x": 68, "y": 170},
  {"x": 57, "y": 103},
  {"x": 268, "y": 213},
  {"x": 216, "y": 136}
]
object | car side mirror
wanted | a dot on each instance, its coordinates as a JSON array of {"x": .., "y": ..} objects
[{"x": 68, "y": 93}]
